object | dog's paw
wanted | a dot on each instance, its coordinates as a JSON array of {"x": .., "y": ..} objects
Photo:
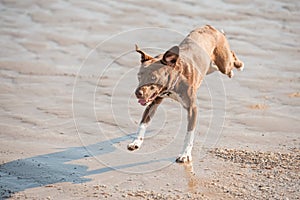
[
  {"x": 239, "y": 65},
  {"x": 136, "y": 144},
  {"x": 230, "y": 74},
  {"x": 241, "y": 68},
  {"x": 184, "y": 158}
]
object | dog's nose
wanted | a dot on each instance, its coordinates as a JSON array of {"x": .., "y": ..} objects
[{"x": 139, "y": 93}]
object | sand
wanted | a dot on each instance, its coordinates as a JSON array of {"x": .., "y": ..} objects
[{"x": 68, "y": 73}]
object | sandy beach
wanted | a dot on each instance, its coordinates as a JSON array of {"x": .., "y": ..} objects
[{"x": 68, "y": 110}]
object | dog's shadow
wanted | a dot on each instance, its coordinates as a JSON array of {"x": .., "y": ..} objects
[{"x": 42, "y": 170}]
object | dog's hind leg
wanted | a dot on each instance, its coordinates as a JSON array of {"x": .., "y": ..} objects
[
  {"x": 239, "y": 65},
  {"x": 147, "y": 115},
  {"x": 222, "y": 58},
  {"x": 212, "y": 68}
]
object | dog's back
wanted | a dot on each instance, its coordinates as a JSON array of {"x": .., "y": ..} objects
[
  {"x": 215, "y": 44},
  {"x": 206, "y": 37}
]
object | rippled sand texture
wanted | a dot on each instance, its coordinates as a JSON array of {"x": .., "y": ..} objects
[{"x": 68, "y": 72}]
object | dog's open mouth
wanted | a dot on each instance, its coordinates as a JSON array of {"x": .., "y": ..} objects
[{"x": 146, "y": 101}]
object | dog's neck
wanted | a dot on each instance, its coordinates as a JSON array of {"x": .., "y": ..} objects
[
  {"x": 174, "y": 83},
  {"x": 167, "y": 91}
]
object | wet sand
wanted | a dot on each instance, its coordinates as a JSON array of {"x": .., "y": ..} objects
[{"x": 68, "y": 72}]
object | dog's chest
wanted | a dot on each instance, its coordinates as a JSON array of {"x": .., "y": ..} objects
[{"x": 175, "y": 96}]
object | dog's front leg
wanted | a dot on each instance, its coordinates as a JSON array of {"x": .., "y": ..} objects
[
  {"x": 147, "y": 115},
  {"x": 186, "y": 155}
]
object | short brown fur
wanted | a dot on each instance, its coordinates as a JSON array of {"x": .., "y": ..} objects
[{"x": 178, "y": 73}]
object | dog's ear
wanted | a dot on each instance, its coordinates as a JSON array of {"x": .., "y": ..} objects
[
  {"x": 171, "y": 56},
  {"x": 144, "y": 56}
]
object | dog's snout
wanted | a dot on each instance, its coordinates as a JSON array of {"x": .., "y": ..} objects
[{"x": 139, "y": 93}]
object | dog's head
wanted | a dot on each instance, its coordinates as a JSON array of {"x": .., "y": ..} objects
[{"x": 155, "y": 74}]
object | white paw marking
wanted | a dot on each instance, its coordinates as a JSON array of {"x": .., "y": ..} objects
[
  {"x": 231, "y": 74},
  {"x": 186, "y": 156},
  {"x": 137, "y": 143},
  {"x": 241, "y": 68}
]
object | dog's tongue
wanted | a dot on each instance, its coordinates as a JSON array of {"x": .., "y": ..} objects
[{"x": 143, "y": 102}]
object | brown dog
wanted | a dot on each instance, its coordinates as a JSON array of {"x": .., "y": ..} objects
[{"x": 178, "y": 73}]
